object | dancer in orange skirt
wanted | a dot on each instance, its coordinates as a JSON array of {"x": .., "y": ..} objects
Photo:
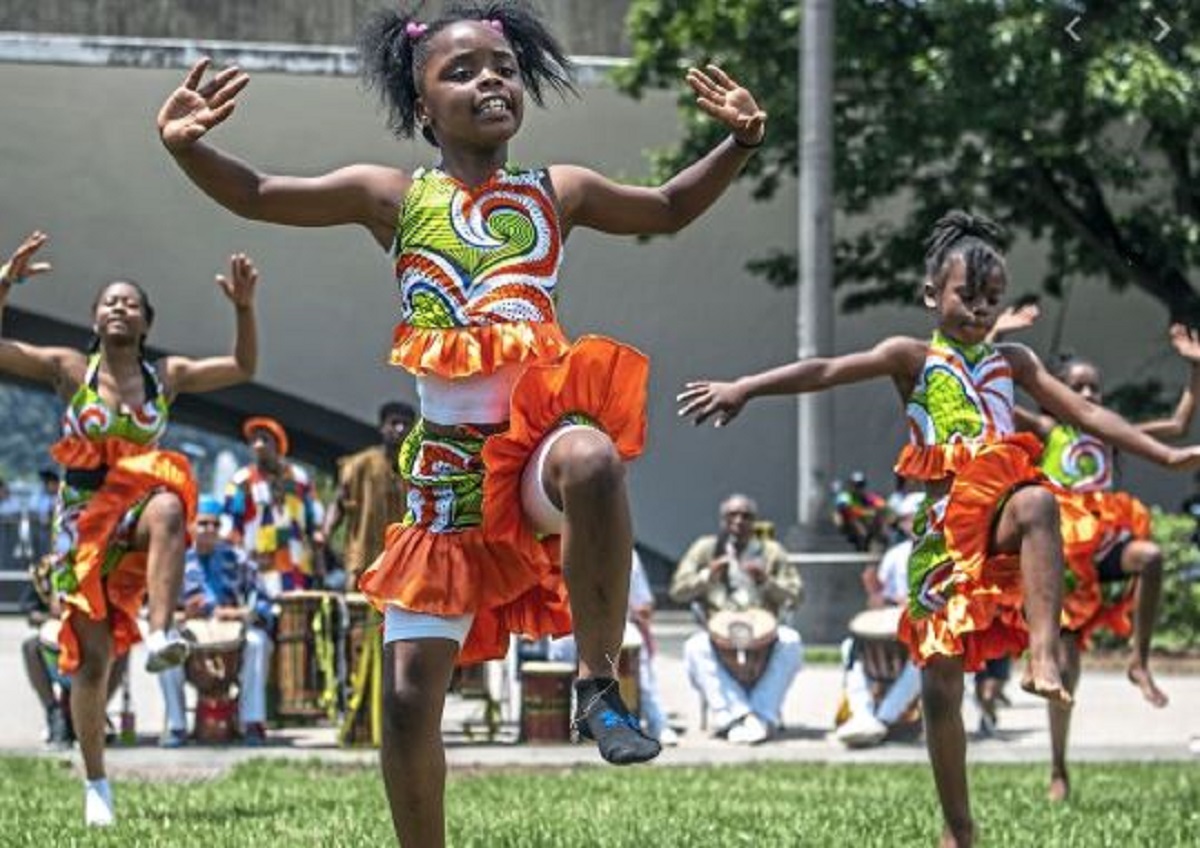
[
  {"x": 986, "y": 570},
  {"x": 1113, "y": 568},
  {"x": 516, "y": 489},
  {"x": 125, "y": 503}
]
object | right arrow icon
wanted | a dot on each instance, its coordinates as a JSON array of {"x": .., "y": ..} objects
[{"x": 1164, "y": 32}]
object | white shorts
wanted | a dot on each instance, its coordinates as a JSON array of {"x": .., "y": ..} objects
[
  {"x": 543, "y": 515},
  {"x": 401, "y": 625}
]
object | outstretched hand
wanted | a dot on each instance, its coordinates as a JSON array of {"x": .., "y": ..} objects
[
  {"x": 19, "y": 267},
  {"x": 1186, "y": 341},
  {"x": 193, "y": 109},
  {"x": 703, "y": 400},
  {"x": 1015, "y": 318},
  {"x": 720, "y": 96},
  {"x": 239, "y": 285}
]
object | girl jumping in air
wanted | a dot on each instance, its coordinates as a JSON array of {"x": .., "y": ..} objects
[
  {"x": 988, "y": 542},
  {"x": 518, "y": 517}
]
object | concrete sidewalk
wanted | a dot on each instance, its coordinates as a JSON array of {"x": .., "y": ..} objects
[{"x": 1112, "y": 723}]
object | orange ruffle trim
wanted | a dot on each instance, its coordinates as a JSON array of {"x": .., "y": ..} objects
[
  {"x": 510, "y": 588},
  {"x": 78, "y": 452},
  {"x": 982, "y": 618},
  {"x": 599, "y": 378},
  {"x": 937, "y": 462},
  {"x": 1110, "y": 514},
  {"x": 117, "y": 596},
  {"x": 466, "y": 351},
  {"x": 981, "y": 621}
]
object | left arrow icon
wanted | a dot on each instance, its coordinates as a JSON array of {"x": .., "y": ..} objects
[{"x": 1070, "y": 28}]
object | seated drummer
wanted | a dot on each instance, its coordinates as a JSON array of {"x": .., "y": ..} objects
[
  {"x": 886, "y": 586},
  {"x": 221, "y": 582},
  {"x": 735, "y": 570}
]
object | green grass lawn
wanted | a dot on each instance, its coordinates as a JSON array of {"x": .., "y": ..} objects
[{"x": 276, "y": 805}]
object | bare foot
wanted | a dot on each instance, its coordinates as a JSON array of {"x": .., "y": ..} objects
[
  {"x": 1042, "y": 679},
  {"x": 1140, "y": 677},
  {"x": 1060, "y": 789},
  {"x": 961, "y": 837}
]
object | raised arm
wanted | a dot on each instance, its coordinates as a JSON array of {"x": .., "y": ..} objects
[
  {"x": 898, "y": 357},
  {"x": 1186, "y": 341},
  {"x": 55, "y": 366},
  {"x": 588, "y": 199},
  {"x": 1066, "y": 405},
  {"x": 185, "y": 375},
  {"x": 368, "y": 195}
]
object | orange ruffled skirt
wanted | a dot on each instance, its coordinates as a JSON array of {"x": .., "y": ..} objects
[
  {"x": 964, "y": 600},
  {"x": 109, "y": 587},
  {"x": 1110, "y": 518},
  {"x": 485, "y": 559}
]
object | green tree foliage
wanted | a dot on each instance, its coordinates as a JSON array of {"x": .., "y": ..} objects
[{"x": 1091, "y": 145}]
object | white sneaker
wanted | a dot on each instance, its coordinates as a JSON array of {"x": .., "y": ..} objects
[
  {"x": 167, "y": 649},
  {"x": 668, "y": 738},
  {"x": 751, "y": 730},
  {"x": 98, "y": 804},
  {"x": 861, "y": 731}
]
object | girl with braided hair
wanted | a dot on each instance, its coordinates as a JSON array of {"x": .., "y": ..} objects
[
  {"x": 1113, "y": 576},
  {"x": 518, "y": 518},
  {"x": 986, "y": 570}
]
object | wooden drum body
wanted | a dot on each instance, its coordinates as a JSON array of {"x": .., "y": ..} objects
[
  {"x": 743, "y": 642},
  {"x": 212, "y": 667},
  {"x": 546, "y": 702}
]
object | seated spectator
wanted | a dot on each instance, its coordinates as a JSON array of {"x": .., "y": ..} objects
[
  {"x": 641, "y": 610},
  {"x": 220, "y": 581},
  {"x": 870, "y": 718},
  {"x": 735, "y": 571}
]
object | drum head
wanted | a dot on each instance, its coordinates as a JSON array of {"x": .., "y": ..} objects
[
  {"x": 754, "y": 625},
  {"x": 209, "y": 633},
  {"x": 876, "y": 623},
  {"x": 547, "y": 669},
  {"x": 48, "y": 633}
]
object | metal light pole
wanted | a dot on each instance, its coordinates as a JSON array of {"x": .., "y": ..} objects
[{"x": 814, "y": 320}]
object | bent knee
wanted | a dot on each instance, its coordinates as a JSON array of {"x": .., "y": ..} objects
[
  {"x": 165, "y": 511},
  {"x": 589, "y": 460},
  {"x": 1142, "y": 557},
  {"x": 1034, "y": 506}
]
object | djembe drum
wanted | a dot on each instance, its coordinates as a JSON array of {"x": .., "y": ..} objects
[
  {"x": 743, "y": 641},
  {"x": 884, "y": 657},
  {"x": 546, "y": 702},
  {"x": 212, "y": 667},
  {"x": 304, "y": 664}
]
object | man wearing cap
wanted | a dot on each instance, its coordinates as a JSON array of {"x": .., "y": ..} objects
[
  {"x": 220, "y": 581},
  {"x": 370, "y": 492},
  {"x": 274, "y": 511}
]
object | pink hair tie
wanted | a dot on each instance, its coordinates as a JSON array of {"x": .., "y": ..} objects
[
  {"x": 495, "y": 24},
  {"x": 415, "y": 30}
]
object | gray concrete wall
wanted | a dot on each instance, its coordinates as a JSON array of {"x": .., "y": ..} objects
[{"x": 588, "y": 27}]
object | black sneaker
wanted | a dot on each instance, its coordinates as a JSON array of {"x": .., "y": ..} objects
[{"x": 602, "y": 716}]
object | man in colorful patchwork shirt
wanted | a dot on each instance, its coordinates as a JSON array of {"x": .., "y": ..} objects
[{"x": 274, "y": 511}]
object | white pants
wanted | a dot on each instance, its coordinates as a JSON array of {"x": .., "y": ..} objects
[
  {"x": 252, "y": 684},
  {"x": 895, "y": 700},
  {"x": 726, "y": 699},
  {"x": 649, "y": 702}
]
